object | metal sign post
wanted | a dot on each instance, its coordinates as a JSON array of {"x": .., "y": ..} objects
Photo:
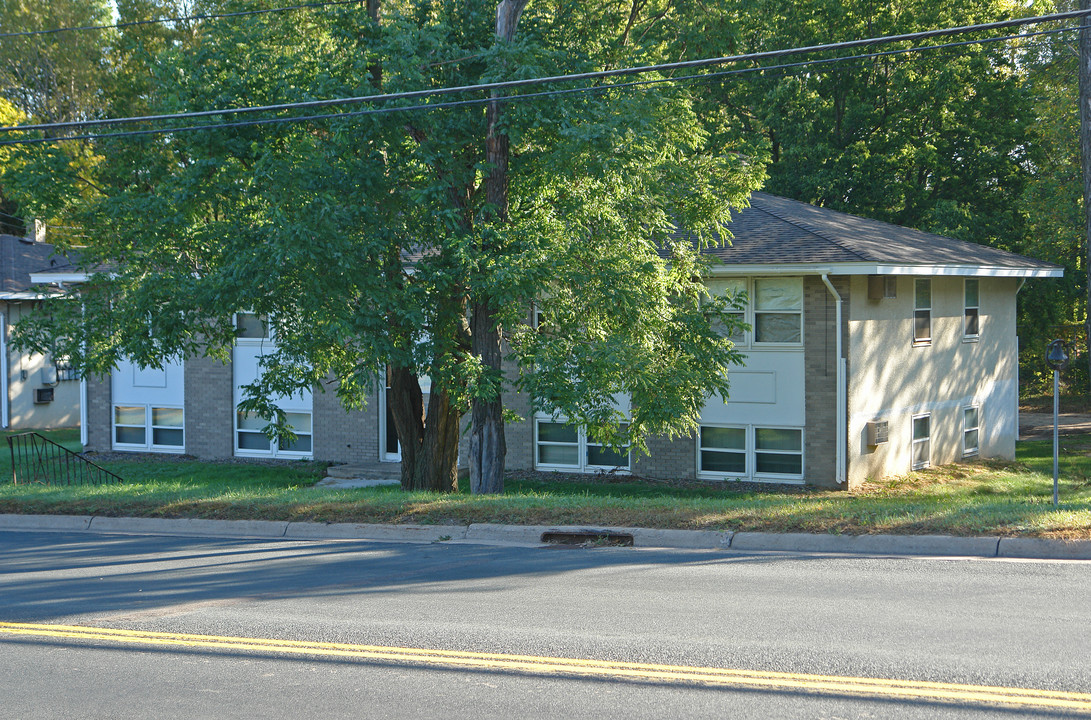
[{"x": 1058, "y": 355}]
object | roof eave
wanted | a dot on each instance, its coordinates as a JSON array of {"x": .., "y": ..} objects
[
  {"x": 51, "y": 278},
  {"x": 870, "y": 268}
]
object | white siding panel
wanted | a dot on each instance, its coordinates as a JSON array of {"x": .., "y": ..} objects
[
  {"x": 245, "y": 363},
  {"x": 148, "y": 386},
  {"x": 766, "y": 391}
]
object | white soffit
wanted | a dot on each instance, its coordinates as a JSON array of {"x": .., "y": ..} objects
[
  {"x": 46, "y": 278},
  {"x": 725, "y": 270}
]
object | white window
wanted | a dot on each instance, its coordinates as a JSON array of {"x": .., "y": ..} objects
[
  {"x": 778, "y": 451},
  {"x": 562, "y": 446},
  {"x": 922, "y": 434},
  {"x": 732, "y": 288},
  {"x": 922, "y": 312},
  {"x": 723, "y": 450},
  {"x": 761, "y": 453},
  {"x": 971, "y": 419},
  {"x": 971, "y": 321},
  {"x": 249, "y": 326},
  {"x": 146, "y": 427},
  {"x": 778, "y": 310},
  {"x": 251, "y": 441}
]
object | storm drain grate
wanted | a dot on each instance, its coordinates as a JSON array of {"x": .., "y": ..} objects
[{"x": 589, "y": 538}]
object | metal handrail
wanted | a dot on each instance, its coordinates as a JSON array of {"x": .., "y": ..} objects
[{"x": 35, "y": 458}]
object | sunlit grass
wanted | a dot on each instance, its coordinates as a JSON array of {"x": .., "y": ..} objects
[{"x": 1009, "y": 499}]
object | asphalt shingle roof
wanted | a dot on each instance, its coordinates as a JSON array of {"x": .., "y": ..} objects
[
  {"x": 776, "y": 231},
  {"x": 19, "y": 258}
]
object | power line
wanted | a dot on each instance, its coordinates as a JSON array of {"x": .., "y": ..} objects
[
  {"x": 209, "y": 16},
  {"x": 531, "y": 96},
  {"x": 527, "y": 82}
]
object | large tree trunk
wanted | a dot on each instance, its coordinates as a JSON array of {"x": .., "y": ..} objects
[
  {"x": 488, "y": 447},
  {"x": 429, "y": 444},
  {"x": 487, "y": 444},
  {"x": 406, "y": 404}
]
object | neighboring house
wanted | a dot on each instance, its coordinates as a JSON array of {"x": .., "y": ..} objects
[
  {"x": 38, "y": 391},
  {"x": 874, "y": 349}
]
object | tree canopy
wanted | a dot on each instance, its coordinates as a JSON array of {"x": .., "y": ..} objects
[{"x": 373, "y": 241}]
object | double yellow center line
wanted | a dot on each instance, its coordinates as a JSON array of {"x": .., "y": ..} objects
[{"x": 875, "y": 687}]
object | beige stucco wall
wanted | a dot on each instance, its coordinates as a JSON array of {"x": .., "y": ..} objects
[
  {"x": 25, "y": 375},
  {"x": 891, "y": 379}
]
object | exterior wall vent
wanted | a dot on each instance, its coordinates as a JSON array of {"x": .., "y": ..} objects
[
  {"x": 882, "y": 287},
  {"x": 877, "y": 432},
  {"x": 43, "y": 395}
]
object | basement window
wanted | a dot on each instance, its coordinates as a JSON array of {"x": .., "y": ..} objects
[
  {"x": 150, "y": 428},
  {"x": 971, "y": 418},
  {"x": 922, "y": 439},
  {"x": 560, "y": 446}
]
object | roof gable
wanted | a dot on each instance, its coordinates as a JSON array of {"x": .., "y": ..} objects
[{"x": 779, "y": 231}]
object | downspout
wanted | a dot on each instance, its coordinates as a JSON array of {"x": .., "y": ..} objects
[
  {"x": 4, "y": 379},
  {"x": 842, "y": 429},
  {"x": 1022, "y": 282}
]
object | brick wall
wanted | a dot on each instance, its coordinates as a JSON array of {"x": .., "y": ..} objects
[
  {"x": 820, "y": 366},
  {"x": 669, "y": 459},
  {"x": 345, "y": 437},
  {"x": 518, "y": 435},
  {"x": 210, "y": 408},
  {"x": 99, "y": 422}
]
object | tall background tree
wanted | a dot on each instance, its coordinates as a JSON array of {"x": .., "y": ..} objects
[
  {"x": 975, "y": 142},
  {"x": 50, "y": 78}
]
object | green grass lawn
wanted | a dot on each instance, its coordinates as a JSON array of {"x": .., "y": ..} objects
[{"x": 1007, "y": 499}]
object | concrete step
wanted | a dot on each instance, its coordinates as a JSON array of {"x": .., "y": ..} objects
[{"x": 373, "y": 470}]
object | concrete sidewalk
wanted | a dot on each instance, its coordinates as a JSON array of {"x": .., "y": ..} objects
[
  {"x": 534, "y": 536},
  {"x": 1037, "y": 425}
]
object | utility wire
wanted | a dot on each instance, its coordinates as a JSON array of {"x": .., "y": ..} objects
[
  {"x": 209, "y": 16},
  {"x": 598, "y": 75},
  {"x": 531, "y": 96}
]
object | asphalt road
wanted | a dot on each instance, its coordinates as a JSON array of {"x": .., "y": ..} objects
[{"x": 365, "y": 629}]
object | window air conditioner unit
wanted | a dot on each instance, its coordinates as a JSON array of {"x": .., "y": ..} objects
[
  {"x": 43, "y": 395},
  {"x": 877, "y": 432},
  {"x": 882, "y": 287}
]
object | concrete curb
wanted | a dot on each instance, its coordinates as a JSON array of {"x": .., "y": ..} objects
[
  {"x": 190, "y": 526},
  {"x": 360, "y": 531},
  {"x": 1044, "y": 547},
  {"x": 45, "y": 522},
  {"x": 531, "y": 535},
  {"x": 932, "y": 545}
]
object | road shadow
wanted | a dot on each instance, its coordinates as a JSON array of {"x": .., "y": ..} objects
[{"x": 46, "y": 575}]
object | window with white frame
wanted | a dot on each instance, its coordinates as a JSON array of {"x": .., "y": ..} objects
[
  {"x": 971, "y": 321},
  {"x": 563, "y": 446},
  {"x": 251, "y": 326},
  {"x": 922, "y": 437},
  {"x": 778, "y": 310},
  {"x": 732, "y": 288},
  {"x": 723, "y": 450},
  {"x": 971, "y": 419},
  {"x": 778, "y": 451},
  {"x": 763, "y": 453},
  {"x": 922, "y": 311},
  {"x": 250, "y": 438},
  {"x": 151, "y": 428}
]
